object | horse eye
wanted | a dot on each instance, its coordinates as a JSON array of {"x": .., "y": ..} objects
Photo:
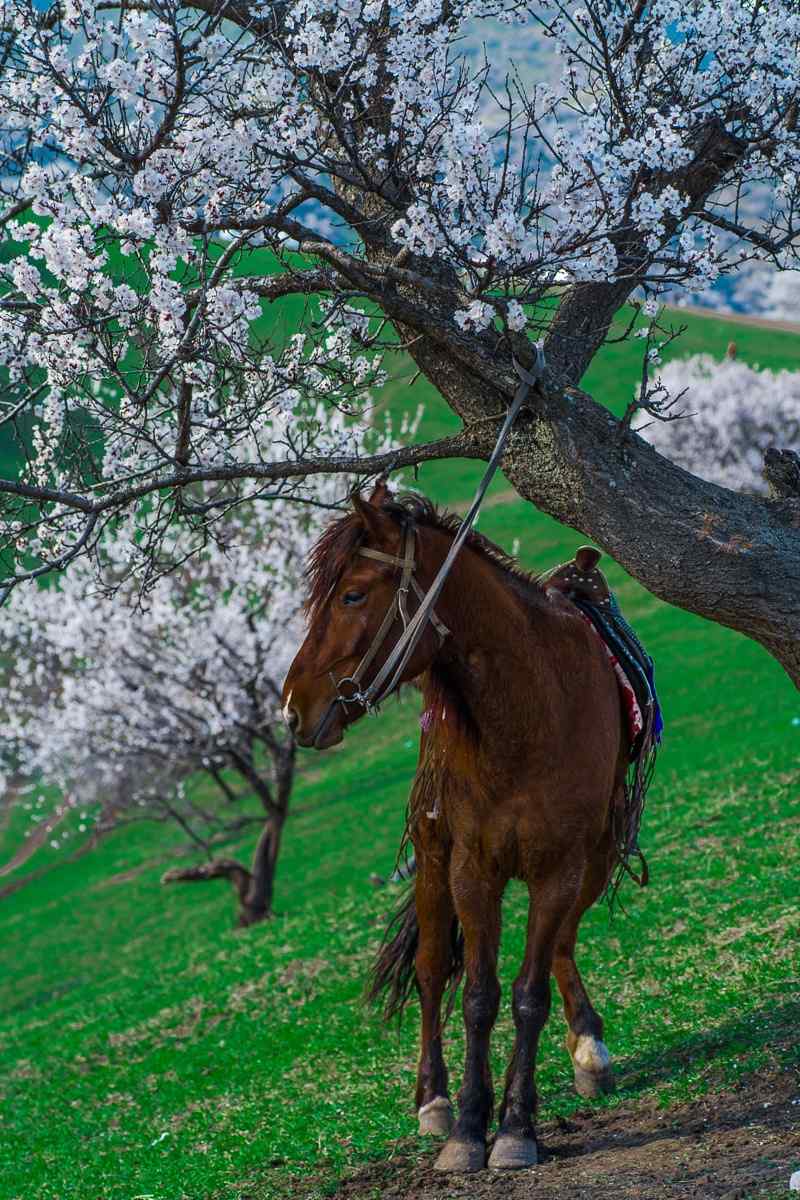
[{"x": 353, "y": 597}]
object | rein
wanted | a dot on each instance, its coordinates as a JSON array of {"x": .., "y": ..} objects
[
  {"x": 389, "y": 674},
  {"x": 398, "y": 607}
]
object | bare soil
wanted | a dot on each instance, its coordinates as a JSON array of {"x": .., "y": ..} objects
[{"x": 738, "y": 1144}]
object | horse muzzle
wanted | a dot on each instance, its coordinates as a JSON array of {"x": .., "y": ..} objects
[{"x": 328, "y": 731}]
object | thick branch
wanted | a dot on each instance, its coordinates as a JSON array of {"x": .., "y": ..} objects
[
  {"x": 458, "y": 446},
  {"x": 218, "y": 868},
  {"x": 732, "y": 558}
]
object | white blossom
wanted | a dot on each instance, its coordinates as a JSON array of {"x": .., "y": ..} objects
[
  {"x": 476, "y": 317},
  {"x": 734, "y": 413}
]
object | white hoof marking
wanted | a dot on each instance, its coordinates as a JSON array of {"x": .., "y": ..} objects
[
  {"x": 591, "y": 1054},
  {"x": 436, "y": 1117}
]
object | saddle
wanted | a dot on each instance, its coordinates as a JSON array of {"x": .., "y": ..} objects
[
  {"x": 586, "y": 587},
  {"x": 580, "y": 579}
]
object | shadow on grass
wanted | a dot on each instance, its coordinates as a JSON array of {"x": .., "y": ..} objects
[{"x": 772, "y": 1031}]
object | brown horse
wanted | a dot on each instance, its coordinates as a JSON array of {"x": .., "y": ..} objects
[{"x": 521, "y": 775}]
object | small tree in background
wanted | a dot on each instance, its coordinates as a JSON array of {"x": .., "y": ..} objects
[
  {"x": 116, "y": 702},
  {"x": 733, "y": 414}
]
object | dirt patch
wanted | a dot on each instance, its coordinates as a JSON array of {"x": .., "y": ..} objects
[{"x": 736, "y": 1145}]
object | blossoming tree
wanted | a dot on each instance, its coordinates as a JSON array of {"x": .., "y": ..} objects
[
  {"x": 172, "y": 169},
  {"x": 732, "y": 415},
  {"x": 120, "y": 705}
]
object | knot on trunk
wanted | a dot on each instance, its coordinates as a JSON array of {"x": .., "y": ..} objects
[{"x": 781, "y": 470}]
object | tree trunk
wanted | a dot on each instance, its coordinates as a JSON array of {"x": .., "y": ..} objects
[
  {"x": 254, "y": 888},
  {"x": 256, "y": 903}
]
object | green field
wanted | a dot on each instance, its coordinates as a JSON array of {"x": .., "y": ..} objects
[{"x": 150, "y": 1050}]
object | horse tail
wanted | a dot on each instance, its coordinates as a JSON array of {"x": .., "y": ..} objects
[{"x": 393, "y": 976}]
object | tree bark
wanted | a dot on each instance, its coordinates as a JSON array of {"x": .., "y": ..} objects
[
  {"x": 257, "y": 902},
  {"x": 253, "y": 887},
  {"x": 782, "y": 473}
]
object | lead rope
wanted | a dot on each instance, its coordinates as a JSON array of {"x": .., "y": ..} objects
[{"x": 395, "y": 664}]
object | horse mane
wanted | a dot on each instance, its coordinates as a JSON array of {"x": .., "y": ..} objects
[{"x": 337, "y": 544}]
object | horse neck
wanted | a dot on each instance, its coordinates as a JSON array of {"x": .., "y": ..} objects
[{"x": 486, "y": 670}]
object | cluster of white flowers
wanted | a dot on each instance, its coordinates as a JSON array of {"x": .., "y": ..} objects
[
  {"x": 734, "y": 413},
  {"x": 476, "y": 317}
]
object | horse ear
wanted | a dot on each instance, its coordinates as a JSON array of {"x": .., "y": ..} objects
[
  {"x": 380, "y": 493},
  {"x": 372, "y": 517}
]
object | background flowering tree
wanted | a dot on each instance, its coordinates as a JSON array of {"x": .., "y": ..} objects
[
  {"x": 772, "y": 294},
  {"x": 732, "y": 415},
  {"x": 112, "y": 701},
  {"x": 171, "y": 169}
]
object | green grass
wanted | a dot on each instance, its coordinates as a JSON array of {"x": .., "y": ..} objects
[{"x": 148, "y": 1049}]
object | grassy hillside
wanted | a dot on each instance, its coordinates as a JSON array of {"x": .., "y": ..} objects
[{"x": 148, "y": 1049}]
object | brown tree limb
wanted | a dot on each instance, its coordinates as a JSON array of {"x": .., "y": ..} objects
[
  {"x": 457, "y": 446},
  {"x": 254, "y": 887},
  {"x": 729, "y": 557}
]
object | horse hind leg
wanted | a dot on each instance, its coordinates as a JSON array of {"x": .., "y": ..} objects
[
  {"x": 591, "y": 1061},
  {"x": 418, "y": 947},
  {"x": 434, "y": 966},
  {"x": 434, "y": 1109}
]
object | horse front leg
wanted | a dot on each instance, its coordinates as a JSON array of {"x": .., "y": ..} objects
[
  {"x": 434, "y": 965},
  {"x": 515, "y": 1147},
  {"x": 477, "y": 906}
]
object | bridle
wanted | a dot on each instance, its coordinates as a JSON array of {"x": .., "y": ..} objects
[
  {"x": 370, "y": 698},
  {"x": 389, "y": 675}
]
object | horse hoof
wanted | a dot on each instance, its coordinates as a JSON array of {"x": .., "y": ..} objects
[
  {"x": 512, "y": 1152},
  {"x": 591, "y": 1084},
  {"x": 436, "y": 1117},
  {"x": 594, "y": 1075},
  {"x": 461, "y": 1158}
]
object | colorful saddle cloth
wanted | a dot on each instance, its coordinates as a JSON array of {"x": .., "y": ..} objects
[{"x": 586, "y": 587}]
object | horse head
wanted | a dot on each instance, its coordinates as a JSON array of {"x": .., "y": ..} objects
[{"x": 360, "y": 572}]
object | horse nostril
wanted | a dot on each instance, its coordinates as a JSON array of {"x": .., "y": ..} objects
[{"x": 292, "y": 717}]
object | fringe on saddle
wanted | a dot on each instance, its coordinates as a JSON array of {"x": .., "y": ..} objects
[{"x": 586, "y": 587}]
